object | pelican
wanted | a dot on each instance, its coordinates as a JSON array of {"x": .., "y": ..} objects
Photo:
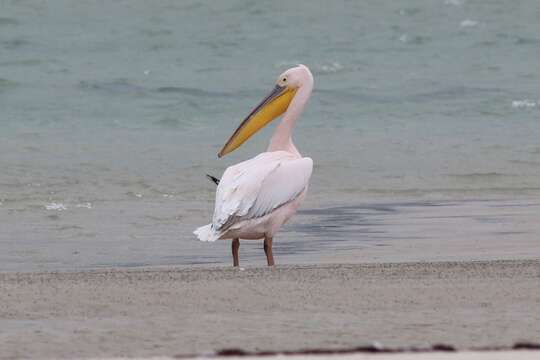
[{"x": 256, "y": 197}]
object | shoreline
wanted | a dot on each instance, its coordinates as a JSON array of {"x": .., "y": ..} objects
[
  {"x": 348, "y": 233},
  {"x": 170, "y": 311},
  {"x": 261, "y": 267}
]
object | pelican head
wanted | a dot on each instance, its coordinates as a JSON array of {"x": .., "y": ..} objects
[{"x": 271, "y": 107}]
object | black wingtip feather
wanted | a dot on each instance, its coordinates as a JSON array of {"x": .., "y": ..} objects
[{"x": 215, "y": 180}]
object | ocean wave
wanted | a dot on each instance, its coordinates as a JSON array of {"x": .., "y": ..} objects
[
  {"x": 330, "y": 68},
  {"x": 414, "y": 39},
  {"x": 454, "y": 92},
  {"x": 168, "y": 122},
  {"x": 323, "y": 68},
  {"x": 192, "y": 91},
  {"x": 409, "y": 11},
  {"x": 525, "y": 162},
  {"x": 117, "y": 86},
  {"x": 58, "y": 206},
  {"x": 22, "y": 62},
  {"x": 16, "y": 43},
  {"x": 527, "y": 41},
  {"x": 8, "y": 21},
  {"x": 134, "y": 194},
  {"x": 156, "y": 32},
  {"x": 525, "y": 103},
  {"x": 468, "y": 23},
  {"x": 454, "y": 2},
  {"x": 443, "y": 192},
  {"x": 86, "y": 205},
  {"x": 6, "y": 84},
  {"x": 55, "y": 206},
  {"x": 478, "y": 175}
]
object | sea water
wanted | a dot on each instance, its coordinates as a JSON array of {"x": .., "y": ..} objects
[{"x": 113, "y": 112}]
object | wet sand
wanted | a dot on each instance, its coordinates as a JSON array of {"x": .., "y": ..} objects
[{"x": 171, "y": 311}]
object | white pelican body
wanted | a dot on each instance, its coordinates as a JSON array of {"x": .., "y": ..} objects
[{"x": 256, "y": 197}]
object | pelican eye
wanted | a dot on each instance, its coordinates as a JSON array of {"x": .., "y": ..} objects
[{"x": 284, "y": 79}]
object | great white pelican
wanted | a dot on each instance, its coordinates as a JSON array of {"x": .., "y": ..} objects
[{"x": 256, "y": 197}]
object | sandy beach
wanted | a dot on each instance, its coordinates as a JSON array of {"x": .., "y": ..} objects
[
  {"x": 171, "y": 311},
  {"x": 419, "y": 236}
]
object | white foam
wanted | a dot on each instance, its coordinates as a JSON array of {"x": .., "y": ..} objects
[
  {"x": 525, "y": 103},
  {"x": 84, "y": 205},
  {"x": 55, "y": 206},
  {"x": 468, "y": 23},
  {"x": 332, "y": 67}
]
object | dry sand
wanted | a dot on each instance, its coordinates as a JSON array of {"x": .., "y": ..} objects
[{"x": 168, "y": 311}]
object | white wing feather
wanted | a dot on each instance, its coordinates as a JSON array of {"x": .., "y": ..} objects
[{"x": 256, "y": 187}]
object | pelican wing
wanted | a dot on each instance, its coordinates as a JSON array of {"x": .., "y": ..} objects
[{"x": 256, "y": 187}]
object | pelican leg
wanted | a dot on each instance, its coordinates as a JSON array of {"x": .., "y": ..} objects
[
  {"x": 268, "y": 250},
  {"x": 235, "y": 247}
]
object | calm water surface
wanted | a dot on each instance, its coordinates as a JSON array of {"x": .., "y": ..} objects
[{"x": 112, "y": 112}]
